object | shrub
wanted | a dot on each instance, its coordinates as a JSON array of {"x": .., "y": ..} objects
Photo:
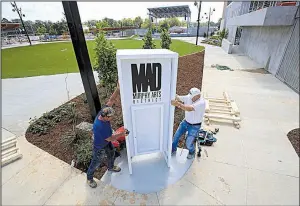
[
  {"x": 148, "y": 42},
  {"x": 84, "y": 149},
  {"x": 204, "y": 35},
  {"x": 224, "y": 34},
  {"x": 165, "y": 39},
  {"x": 215, "y": 37},
  {"x": 81, "y": 142},
  {"x": 106, "y": 64},
  {"x": 42, "y": 125}
]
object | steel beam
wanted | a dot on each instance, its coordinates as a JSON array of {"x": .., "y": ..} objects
[{"x": 82, "y": 56}]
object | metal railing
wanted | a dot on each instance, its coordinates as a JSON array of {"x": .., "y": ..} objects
[{"x": 257, "y": 5}]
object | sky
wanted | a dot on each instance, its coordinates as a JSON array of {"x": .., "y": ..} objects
[{"x": 98, "y": 10}]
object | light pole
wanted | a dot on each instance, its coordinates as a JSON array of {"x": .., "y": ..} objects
[
  {"x": 209, "y": 14},
  {"x": 198, "y": 20},
  {"x": 19, "y": 11}
]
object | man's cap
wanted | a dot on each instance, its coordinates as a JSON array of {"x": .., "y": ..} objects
[
  {"x": 194, "y": 91},
  {"x": 107, "y": 112}
]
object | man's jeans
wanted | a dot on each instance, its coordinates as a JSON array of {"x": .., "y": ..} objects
[
  {"x": 99, "y": 156},
  {"x": 193, "y": 131}
]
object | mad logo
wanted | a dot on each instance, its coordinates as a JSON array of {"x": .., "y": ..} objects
[{"x": 146, "y": 82}]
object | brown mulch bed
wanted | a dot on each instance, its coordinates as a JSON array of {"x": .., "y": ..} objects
[
  {"x": 293, "y": 136},
  {"x": 190, "y": 72}
]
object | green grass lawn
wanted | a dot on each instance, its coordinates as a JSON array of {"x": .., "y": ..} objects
[{"x": 58, "y": 58}]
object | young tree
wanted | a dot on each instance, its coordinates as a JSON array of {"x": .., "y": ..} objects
[
  {"x": 52, "y": 30},
  {"x": 109, "y": 21},
  {"x": 223, "y": 34},
  {"x": 146, "y": 24},
  {"x": 164, "y": 25},
  {"x": 101, "y": 24},
  {"x": 174, "y": 22},
  {"x": 165, "y": 39},
  {"x": 41, "y": 30},
  {"x": 127, "y": 22},
  {"x": 183, "y": 23},
  {"x": 148, "y": 42},
  {"x": 138, "y": 21},
  {"x": 105, "y": 62}
]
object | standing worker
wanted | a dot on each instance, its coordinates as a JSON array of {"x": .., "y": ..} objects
[
  {"x": 194, "y": 106},
  {"x": 103, "y": 138}
]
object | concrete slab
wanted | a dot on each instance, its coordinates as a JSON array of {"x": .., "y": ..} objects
[
  {"x": 216, "y": 55},
  {"x": 29, "y": 152},
  {"x": 226, "y": 183},
  {"x": 150, "y": 173},
  {"x": 272, "y": 189},
  {"x": 25, "y": 98},
  {"x": 275, "y": 162},
  {"x": 76, "y": 191},
  {"x": 131, "y": 198},
  {"x": 35, "y": 183},
  {"x": 185, "y": 193},
  {"x": 6, "y": 134},
  {"x": 228, "y": 148},
  {"x": 260, "y": 149}
]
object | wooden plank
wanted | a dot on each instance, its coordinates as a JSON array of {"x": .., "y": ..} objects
[
  {"x": 212, "y": 106},
  {"x": 9, "y": 145},
  {"x": 10, "y": 159},
  {"x": 9, "y": 151},
  {"x": 226, "y": 117},
  {"x": 226, "y": 96},
  {"x": 235, "y": 109},
  {"x": 218, "y": 101},
  {"x": 221, "y": 112},
  {"x": 206, "y": 105},
  {"x": 213, "y": 98},
  {"x": 9, "y": 140}
]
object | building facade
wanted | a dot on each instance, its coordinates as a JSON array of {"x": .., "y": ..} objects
[{"x": 267, "y": 32}]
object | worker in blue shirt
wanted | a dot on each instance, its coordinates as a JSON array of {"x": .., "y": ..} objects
[{"x": 103, "y": 138}]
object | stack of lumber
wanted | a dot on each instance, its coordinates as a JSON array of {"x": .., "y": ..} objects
[
  {"x": 220, "y": 109},
  {"x": 10, "y": 151}
]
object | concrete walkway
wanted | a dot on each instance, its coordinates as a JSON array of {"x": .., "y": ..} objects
[
  {"x": 24, "y": 98},
  {"x": 255, "y": 165}
]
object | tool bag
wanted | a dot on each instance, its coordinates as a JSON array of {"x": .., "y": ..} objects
[{"x": 206, "y": 138}]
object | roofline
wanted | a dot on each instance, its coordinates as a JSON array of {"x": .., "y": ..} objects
[{"x": 169, "y": 7}]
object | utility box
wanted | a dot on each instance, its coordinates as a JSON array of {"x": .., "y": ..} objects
[{"x": 147, "y": 80}]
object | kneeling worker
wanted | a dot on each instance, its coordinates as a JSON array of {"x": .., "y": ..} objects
[
  {"x": 103, "y": 138},
  {"x": 194, "y": 107}
]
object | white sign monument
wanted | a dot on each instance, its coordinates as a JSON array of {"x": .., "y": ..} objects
[{"x": 147, "y": 84}]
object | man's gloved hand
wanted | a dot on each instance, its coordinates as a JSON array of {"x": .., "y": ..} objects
[
  {"x": 126, "y": 132},
  {"x": 174, "y": 102}
]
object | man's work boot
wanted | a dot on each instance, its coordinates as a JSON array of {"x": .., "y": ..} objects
[
  {"x": 115, "y": 169},
  {"x": 92, "y": 183},
  {"x": 191, "y": 156}
]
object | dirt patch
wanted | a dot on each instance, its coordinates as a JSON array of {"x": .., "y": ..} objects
[
  {"x": 259, "y": 71},
  {"x": 190, "y": 72},
  {"x": 293, "y": 136}
]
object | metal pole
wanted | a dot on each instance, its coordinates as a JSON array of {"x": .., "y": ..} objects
[
  {"x": 208, "y": 22},
  {"x": 82, "y": 56},
  {"x": 20, "y": 15},
  {"x": 198, "y": 22}
]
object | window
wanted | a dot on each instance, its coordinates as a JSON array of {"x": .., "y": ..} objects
[
  {"x": 256, "y": 5},
  {"x": 238, "y": 35}
]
